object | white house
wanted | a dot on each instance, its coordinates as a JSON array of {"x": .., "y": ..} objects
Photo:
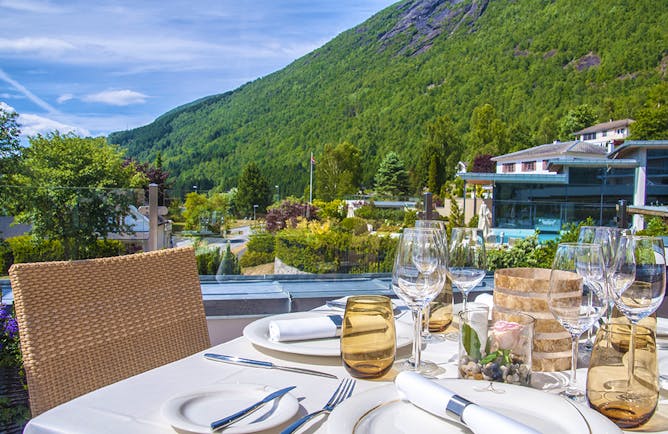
[
  {"x": 605, "y": 134},
  {"x": 537, "y": 160}
]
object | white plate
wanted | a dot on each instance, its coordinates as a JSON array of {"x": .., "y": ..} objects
[
  {"x": 258, "y": 333},
  {"x": 379, "y": 411},
  {"x": 193, "y": 412}
]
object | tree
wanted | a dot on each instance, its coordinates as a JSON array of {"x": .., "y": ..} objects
[
  {"x": 252, "y": 189},
  {"x": 576, "y": 119},
  {"x": 483, "y": 164},
  {"x": 392, "y": 176},
  {"x": 444, "y": 146},
  {"x": 651, "y": 122},
  {"x": 73, "y": 189},
  {"x": 487, "y": 133},
  {"x": 338, "y": 172},
  {"x": 196, "y": 210},
  {"x": 9, "y": 141}
]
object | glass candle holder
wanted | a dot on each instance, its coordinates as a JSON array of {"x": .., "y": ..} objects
[
  {"x": 498, "y": 350},
  {"x": 368, "y": 336},
  {"x": 440, "y": 316},
  {"x": 627, "y": 401}
]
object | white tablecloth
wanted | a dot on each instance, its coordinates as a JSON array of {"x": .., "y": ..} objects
[{"x": 133, "y": 405}]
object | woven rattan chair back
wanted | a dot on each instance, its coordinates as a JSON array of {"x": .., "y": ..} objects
[{"x": 86, "y": 324}]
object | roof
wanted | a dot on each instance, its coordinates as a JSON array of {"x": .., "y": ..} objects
[
  {"x": 622, "y": 163},
  {"x": 538, "y": 178},
  {"x": 605, "y": 126},
  {"x": 556, "y": 149},
  {"x": 631, "y": 144}
]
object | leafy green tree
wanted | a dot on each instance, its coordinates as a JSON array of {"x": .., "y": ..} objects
[
  {"x": 392, "y": 176},
  {"x": 252, "y": 189},
  {"x": 443, "y": 144},
  {"x": 547, "y": 131},
  {"x": 196, "y": 209},
  {"x": 9, "y": 141},
  {"x": 580, "y": 117},
  {"x": 338, "y": 172},
  {"x": 73, "y": 189},
  {"x": 651, "y": 122},
  {"x": 488, "y": 134}
]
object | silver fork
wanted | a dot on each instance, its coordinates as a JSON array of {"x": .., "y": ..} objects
[{"x": 345, "y": 390}]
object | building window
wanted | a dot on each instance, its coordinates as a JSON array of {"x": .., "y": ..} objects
[
  {"x": 508, "y": 167},
  {"x": 621, "y": 130},
  {"x": 528, "y": 166},
  {"x": 589, "y": 136},
  {"x": 545, "y": 165},
  {"x": 604, "y": 134}
]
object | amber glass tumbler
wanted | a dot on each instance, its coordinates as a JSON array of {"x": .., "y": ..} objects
[{"x": 368, "y": 337}]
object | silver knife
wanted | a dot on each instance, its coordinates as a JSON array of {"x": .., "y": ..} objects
[
  {"x": 229, "y": 420},
  {"x": 261, "y": 364}
]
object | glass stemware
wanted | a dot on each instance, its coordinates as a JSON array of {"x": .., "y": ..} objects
[
  {"x": 467, "y": 260},
  {"x": 443, "y": 301},
  {"x": 577, "y": 277},
  {"x": 639, "y": 285},
  {"x": 417, "y": 277},
  {"x": 608, "y": 239}
]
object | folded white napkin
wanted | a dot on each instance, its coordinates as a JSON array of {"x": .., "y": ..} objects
[
  {"x": 435, "y": 398},
  {"x": 299, "y": 329}
]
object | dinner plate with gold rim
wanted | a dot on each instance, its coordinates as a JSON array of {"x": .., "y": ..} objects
[
  {"x": 258, "y": 333},
  {"x": 380, "y": 411}
]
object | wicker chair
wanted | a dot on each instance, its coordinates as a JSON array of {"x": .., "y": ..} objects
[{"x": 86, "y": 324}]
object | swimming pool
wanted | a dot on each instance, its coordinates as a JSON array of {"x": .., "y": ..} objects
[{"x": 503, "y": 235}]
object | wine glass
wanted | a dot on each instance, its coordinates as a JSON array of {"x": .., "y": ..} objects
[
  {"x": 577, "y": 276},
  {"x": 444, "y": 298},
  {"x": 467, "y": 260},
  {"x": 417, "y": 277},
  {"x": 639, "y": 285},
  {"x": 606, "y": 238}
]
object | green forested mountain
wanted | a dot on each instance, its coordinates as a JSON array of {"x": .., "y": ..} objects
[{"x": 381, "y": 83}]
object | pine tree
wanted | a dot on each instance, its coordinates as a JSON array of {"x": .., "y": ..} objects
[
  {"x": 229, "y": 264},
  {"x": 392, "y": 176}
]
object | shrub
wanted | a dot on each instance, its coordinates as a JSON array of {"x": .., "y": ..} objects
[
  {"x": 6, "y": 257},
  {"x": 251, "y": 259},
  {"x": 370, "y": 212},
  {"x": 208, "y": 261},
  {"x": 288, "y": 213},
  {"x": 354, "y": 225},
  {"x": 655, "y": 227},
  {"x": 27, "y": 248}
]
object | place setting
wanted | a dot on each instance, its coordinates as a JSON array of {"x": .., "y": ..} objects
[{"x": 499, "y": 378}]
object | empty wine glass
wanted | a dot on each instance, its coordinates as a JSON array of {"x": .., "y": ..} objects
[
  {"x": 443, "y": 297},
  {"x": 638, "y": 296},
  {"x": 577, "y": 276},
  {"x": 418, "y": 275},
  {"x": 467, "y": 260}
]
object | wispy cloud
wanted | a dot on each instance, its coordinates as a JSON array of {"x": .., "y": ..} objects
[
  {"x": 117, "y": 97},
  {"x": 64, "y": 98},
  {"x": 31, "y": 96},
  {"x": 32, "y": 124},
  {"x": 30, "y": 6},
  {"x": 44, "y": 46}
]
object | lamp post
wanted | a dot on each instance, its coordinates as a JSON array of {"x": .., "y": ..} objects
[
  {"x": 278, "y": 193},
  {"x": 254, "y": 208}
]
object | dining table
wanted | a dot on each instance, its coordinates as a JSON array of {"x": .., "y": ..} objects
[{"x": 139, "y": 404}]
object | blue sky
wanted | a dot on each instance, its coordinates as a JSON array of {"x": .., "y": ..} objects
[{"x": 95, "y": 67}]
